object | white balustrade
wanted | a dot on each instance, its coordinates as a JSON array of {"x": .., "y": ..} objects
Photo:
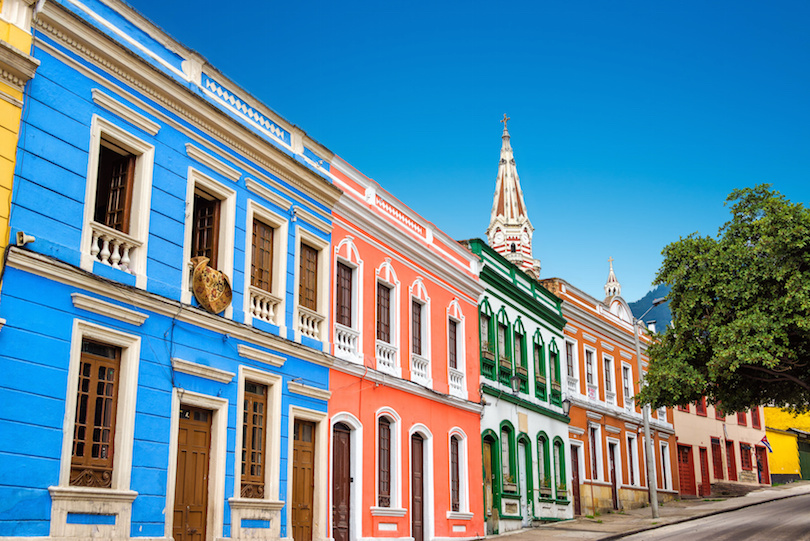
[
  {"x": 346, "y": 340},
  {"x": 264, "y": 305},
  {"x": 112, "y": 247},
  {"x": 386, "y": 357},
  {"x": 610, "y": 398},
  {"x": 457, "y": 383},
  {"x": 420, "y": 369},
  {"x": 573, "y": 385},
  {"x": 309, "y": 323}
]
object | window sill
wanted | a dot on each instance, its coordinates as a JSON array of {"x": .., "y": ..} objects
[
  {"x": 255, "y": 503},
  {"x": 459, "y": 515},
  {"x": 387, "y": 512},
  {"x": 92, "y": 493}
]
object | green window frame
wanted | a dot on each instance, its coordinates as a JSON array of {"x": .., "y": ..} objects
[
  {"x": 524, "y": 439},
  {"x": 521, "y": 361},
  {"x": 554, "y": 368},
  {"x": 559, "y": 469},
  {"x": 504, "y": 347},
  {"x": 539, "y": 359},
  {"x": 486, "y": 332},
  {"x": 508, "y": 458},
  {"x": 544, "y": 467}
]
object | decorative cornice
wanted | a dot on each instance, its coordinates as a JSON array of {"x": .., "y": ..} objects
[
  {"x": 261, "y": 356},
  {"x": 257, "y": 504},
  {"x": 202, "y": 371},
  {"x": 509, "y": 397},
  {"x": 16, "y": 67},
  {"x": 313, "y": 220},
  {"x": 387, "y": 512},
  {"x": 576, "y": 430},
  {"x": 375, "y": 376},
  {"x": 613, "y": 429},
  {"x": 308, "y": 390},
  {"x": 212, "y": 163},
  {"x": 58, "y": 271},
  {"x": 104, "y": 308},
  {"x": 130, "y": 115},
  {"x": 263, "y": 191},
  {"x": 593, "y": 415}
]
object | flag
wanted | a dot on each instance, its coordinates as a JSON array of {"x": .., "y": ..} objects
[
  {"x": 725, "y": 433},
  {"x": 766, "y": 443}
]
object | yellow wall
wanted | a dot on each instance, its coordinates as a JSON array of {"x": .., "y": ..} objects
[
  {"x": 782, "y": 419},
  {"x": 10, "y": 113},
  {"x": 785, "y": 456}
]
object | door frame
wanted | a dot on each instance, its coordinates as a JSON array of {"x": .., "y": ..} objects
[
  {"x": 427, "y": 478},
  {"x": 577, "y": 474},
  {"x": 216, "y": 460},
  {"x": 356, "y": 469},
  {"x": 616, "y": 456},
  {"x": 321, "y": 479}
]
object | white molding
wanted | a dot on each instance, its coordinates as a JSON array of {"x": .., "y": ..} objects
[
  {"x": 212, "y": 163},
  {"x": 589, "y": 338},
  {"x": 267, "y": 193},
  {"x": 458, "y": 515},
  {"x": 280, "y": 225},
  {"x": 63, "y": 273},
  {"x": 130, "y": 115},
  {"x": 323, "y": 285},
  {"x": 261, "y": 356},
  {"x": 625, "y": 354},
  {"x": 312, "y": 219},
  {"x": 387, "y": 511},
  {"x": 593, "y": 415},
  {"x": 308, "y": 390},
  {"x": 200, "y": 370},
  {"x": 576, "y": 430},
  {"x": 103, "y": 308},
  {"x": 607, "y": 346},
  {"x": 320, "y": 510},
  {"x": 613, "y": 429}
]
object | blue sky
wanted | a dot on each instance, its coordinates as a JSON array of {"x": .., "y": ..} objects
[{"x": 631, "y": 121}]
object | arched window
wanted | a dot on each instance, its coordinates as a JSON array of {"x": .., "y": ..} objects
[
  {"x": 487, "y": 337},
  {"x": 508, "y": 462},
  {"x": 521, "y": 362},
  {"x": 544, "y": 467},
  {"x": 559, "y": 469},
  {"x": 554, "y": 368},
  {"x": 539, "y": 359},
  {"x": 513, "y": 248},
  {"x": 504, "y": 348},
  {"x": 384, "y": 462},
  {"x": 455, "y": 474}
]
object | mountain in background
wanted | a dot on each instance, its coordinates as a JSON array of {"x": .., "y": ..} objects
[{"x": 660, "y": 314}]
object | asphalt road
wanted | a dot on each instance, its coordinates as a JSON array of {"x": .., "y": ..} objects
[{"x": 780, "y": 520}]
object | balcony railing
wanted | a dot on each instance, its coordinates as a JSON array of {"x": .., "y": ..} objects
[
  {"x": 457, "y": 383},
  {"x": 264, "y": 305},
  {"x": 573, "y": 385},
  {"x": 420, "y": 369},
  {"x": 346, "y": 340},
  {"x": 610, "y": 398},
  {"x": 112, "y": 247},
  {"x": 309, "y": 323},
  {"x": 386, "y": 357}
]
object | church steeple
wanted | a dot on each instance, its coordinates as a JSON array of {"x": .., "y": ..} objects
[
  {"x": 510, "y": 231},
  {"x": 612, "y": 288}
]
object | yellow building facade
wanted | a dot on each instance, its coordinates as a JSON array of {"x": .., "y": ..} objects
[
  {"x": 17, "y": 67},
  {"x": 789, "y": 437}
]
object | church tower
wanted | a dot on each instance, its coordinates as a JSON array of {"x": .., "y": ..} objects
[{"x": 510, "y": 231}]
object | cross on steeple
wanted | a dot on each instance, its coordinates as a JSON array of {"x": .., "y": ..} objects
[
  {"x": 505, "y": 120},
  {"x": 610, "y": 260}
]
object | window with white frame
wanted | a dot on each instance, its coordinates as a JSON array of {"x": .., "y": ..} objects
[
  {"x": 610, "y": 391},
  {"x": 627, "y": 385},
  {"x": 388, "y": 462},
  {"x": 456, "y": 364},
  {"x": 348, "y": 268},
  {"x": 571, "y": 368},
  {"x": 666, "y": 473},
  {"x": 312, "y": 285},
  {"x": 632, "y": 460},
  {"x": 590, "y": 374},
  {"x": 266, "y": 258},
  {"x": 420, "y": 338},
  {"x": 118, "y": 196},
  {"x": 459, "y": 491},
  {"x": 595, "y": 451},
  {"x": 209, "y": 227},
  {"x": 387, "y": 350}
]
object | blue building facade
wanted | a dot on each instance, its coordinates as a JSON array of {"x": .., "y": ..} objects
[{"x": 127, "y": 409}]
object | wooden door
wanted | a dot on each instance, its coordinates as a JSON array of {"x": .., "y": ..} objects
[
  {"x": 614, "y": 482},
  {"x": 717, "y": 460},
  {"x": 191, "y": 487},
  {"x": 489, "y": 507},
  {"x": 732, "y": 461},
  {"x": 686, "y": 470},
  {"x": 575, "y": 479},
  {"x": 762, "y": 465},
  {"x": 341, "y": 482},
  {"x": 303, "y": 479},
  {"x": 524, "y": 470},
  {"x": 417, "y": 488},
  {"x": 705, "y": 483}
]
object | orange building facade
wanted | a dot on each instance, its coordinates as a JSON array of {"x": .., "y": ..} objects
[
  {"x": 404, "y": 409},
  {"x": 607, "y": 452}
]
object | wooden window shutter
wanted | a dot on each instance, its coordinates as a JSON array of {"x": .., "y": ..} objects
[
  {"x": 96, "y": 407},
  {"x": 205, "y": 227},
  {"x": 453, "y": 344},
  {"x": 261, "y": 268},
  {"x": 254, "y": 427},
  {"x": 383, "y": 313},
  {"x": 416, "y": 327},
  {"x": 114, "y": 183},
  {"x": 308, "y": 277},
  {"x": 384, "y": 475},
  {"x": 343, "y": 309}
]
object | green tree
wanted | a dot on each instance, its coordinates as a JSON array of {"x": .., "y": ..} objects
[{"x": 741, "y": 310}]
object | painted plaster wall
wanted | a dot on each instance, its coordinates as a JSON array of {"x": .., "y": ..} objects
[
  {"x": 785, "y": 457},
  {"x": 783, "y": 419}
]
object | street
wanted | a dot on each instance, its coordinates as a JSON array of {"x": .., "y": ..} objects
[{"x": 780, "y": 520}]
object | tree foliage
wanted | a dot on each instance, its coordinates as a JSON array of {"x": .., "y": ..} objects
[{"x": 741, "y": 310}]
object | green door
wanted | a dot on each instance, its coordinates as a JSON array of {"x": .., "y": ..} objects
[{"x": 804, "y": 459}]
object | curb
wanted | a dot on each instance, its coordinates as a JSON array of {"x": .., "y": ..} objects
[{"x": 695, "y": 517}]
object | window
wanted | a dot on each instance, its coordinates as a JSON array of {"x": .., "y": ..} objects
[
  {"x": 589, "y": 367},
  {"x": 452, "y": 344},
  {"x": 384, "y": 464},
  {"x": 265, "y": 283},
  {"x": 308, "y": 277},
  {"x": 118, "y": 193},
  {"x": 610, "y": 393},
  {"x": 489, "y": 367},
  {"x": 486, "y": 343},
  {"x": 745, "y": 457},
  {"x": 343, "y": 295},
  {"x": 700, "y": 407},
  {"x": 559, "y": 469},
  {"x": 554, "y": 369},
  {"x": 632, "y": 460},
  {"x": 755, "y": 422},
  {"x": 732, "y": 461},
  {"x": 205, "y": 227},
  {"x": 544, "y": 466},
  {"x": 520, "y": 358},
  {"x": 416, "y": 327},
  {"x": 508, "y": 462},
  {"x": 718, "y": 412},
  {"x": 455, "y": 485},
  {"x": 595, "y": 444},
  {"x": 254, "y": 423},
  {"x": 96, "y": 407},
  {"x": 521, "y": 362},
  {"x": 420, "y": 345},
  {"x": 539, "y": 367},
  {"x": 666, "y": 481},
  {"x": 717, "y": 459},
  {"x": 502, "y": 347},
  {"x": 569, "y": 359},
  {"x": 383, "y": 313},
  {"x": 261, "y": 267},
  {"x": 627, "y": 385},
  {"x": 684, "y": 408},
  {"x": 742, "y": 418}
]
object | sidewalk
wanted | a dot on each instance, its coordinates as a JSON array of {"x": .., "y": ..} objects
[{"x": 617, "y": 525}]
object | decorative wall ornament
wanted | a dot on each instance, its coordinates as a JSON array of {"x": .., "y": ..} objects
[{"x": 211, "y": 287}]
